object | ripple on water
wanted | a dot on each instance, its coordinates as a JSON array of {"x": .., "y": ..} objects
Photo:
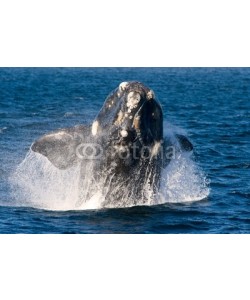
[{"x": 3, "y": 129}]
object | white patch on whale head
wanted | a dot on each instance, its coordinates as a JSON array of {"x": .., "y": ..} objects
[
  {"x": 124, "y": 133},
  {"x": 133, "y": 99},
  {"x": 150, "y": 95},
  {"x": 122, "y": 87},
  {"x": 94, "y": 128}
]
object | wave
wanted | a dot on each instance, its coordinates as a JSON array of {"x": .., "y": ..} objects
[{"x": 3, "y": 129}]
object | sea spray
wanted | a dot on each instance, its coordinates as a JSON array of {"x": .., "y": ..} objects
[
  {"x": 183, "y": 181},
  {"x": 37, "y": 183}
]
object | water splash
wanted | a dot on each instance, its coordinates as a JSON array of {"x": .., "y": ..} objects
[
  {"x": 37, "y": 183},
  {"x": 183, "y": 181}
]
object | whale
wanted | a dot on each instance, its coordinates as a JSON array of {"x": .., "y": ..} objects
[{"x": 122, "y": 152}]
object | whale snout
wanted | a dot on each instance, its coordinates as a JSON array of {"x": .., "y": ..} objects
[
  {"x": 133, "y": 96},
  {"x": 130, "y": 112},
  {"x": 140, "y": 113},
  {"x": 135, "y": 87}
]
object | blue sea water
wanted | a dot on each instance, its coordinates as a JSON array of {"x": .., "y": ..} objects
[{"x": 212, "y": 105}]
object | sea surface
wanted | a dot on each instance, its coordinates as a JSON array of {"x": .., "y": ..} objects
[{"x": 209, "y": 192}]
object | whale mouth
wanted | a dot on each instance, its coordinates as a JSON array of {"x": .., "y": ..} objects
[{"x": 130, "y": 113}]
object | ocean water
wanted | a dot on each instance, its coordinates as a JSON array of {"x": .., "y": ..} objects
[{"x": 207, "y": 192}]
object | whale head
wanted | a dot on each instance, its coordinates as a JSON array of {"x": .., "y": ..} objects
[{"x": 130, "y": 114}]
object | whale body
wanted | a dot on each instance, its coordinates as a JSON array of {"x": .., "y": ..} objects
[{"x": 122, "y": 152}]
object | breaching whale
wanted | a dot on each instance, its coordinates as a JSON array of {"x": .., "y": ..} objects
[{"x": 123, "y": 152}]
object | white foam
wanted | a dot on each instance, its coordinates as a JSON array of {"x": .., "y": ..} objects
[
  {"x": 37, "y": 183},
  {"x": 183, "y": 181}
]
